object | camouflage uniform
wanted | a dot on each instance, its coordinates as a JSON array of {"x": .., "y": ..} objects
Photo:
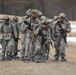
[
  {"x": 26, "y": 40},
  {"x": 43, "y": 43},
  {"x": 53, "y": 21},
  {"x": 29, "y": 34},
  {"x": 35, "y": 24},
  {"x": 61, "y": 28},
  {"x": 17, "y": 26},
  {"x": 7, "y": 31}
]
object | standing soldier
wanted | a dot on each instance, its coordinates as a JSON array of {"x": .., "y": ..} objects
[
  {"x": 61, "y": 28},
  {"x": 17, "y": 26},
  {"x": 22, "y": 29},
  {"x": 27, "y": 15},
  {"x": 35, "y": 23},
  {"x": 8, "y": 31},
  {"x": 52, "y": 25},
  {"x": 28, "y": 28}
]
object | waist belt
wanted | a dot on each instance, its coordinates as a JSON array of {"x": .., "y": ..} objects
[{"x": 7, "y": 34}]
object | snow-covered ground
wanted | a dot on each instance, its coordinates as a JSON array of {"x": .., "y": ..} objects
[
  {"x": 73, "y": 28},
  {"x": 72, "y": 39},
  {"x": 0, "y": 51}
]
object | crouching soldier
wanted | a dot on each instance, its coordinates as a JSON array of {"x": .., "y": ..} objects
[
  {"x": 8, "y": 31},
  {"x": 44, "y": 36}
]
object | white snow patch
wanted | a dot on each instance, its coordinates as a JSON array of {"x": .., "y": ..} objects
[
  {"x": 73, "y": 28},
  {"x": 71, "y": 39}
]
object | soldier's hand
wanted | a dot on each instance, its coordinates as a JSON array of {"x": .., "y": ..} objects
[
  {"x": 29, "y": 27},
  {"x": 16, "y": 39},
  {"x": 26, "y": 22},
  {"x": 46, "y": 42},
  {"x": 35, "y": 35}
]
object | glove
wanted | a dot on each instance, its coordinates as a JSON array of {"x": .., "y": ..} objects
[
  {"x": 46, "y": 42},
  {"x": 40, "y": 32},
  {"x": 16, "y": 39},
  {"x": 29, "y": 27},
  {"x": 25, "y": 22}
]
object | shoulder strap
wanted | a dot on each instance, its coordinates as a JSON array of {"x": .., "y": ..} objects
[{"x": 2, "y": 29}]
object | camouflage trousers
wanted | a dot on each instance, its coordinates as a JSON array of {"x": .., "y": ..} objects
[
  {"x": 8, "y": 47},
  {"x": 35, "y": 53},
  {"x": 60, "y": 45},
  {"x": 25, "y": 47},
  {"x": 16, "y": 48}
]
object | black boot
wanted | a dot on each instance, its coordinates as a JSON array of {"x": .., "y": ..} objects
[
  {"x": 56, "y": 60},
  {"x": 9, "y": 58},
  {"x": 63, "y": 59},
  {"x": 25, "y": 59},
  {"x": 3, "y": 59}
]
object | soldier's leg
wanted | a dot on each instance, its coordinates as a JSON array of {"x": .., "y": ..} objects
[
  {"x": 22, "y": 52},
  {"x": 23, "y": 48},
  {"x": 62, "y": 50},
  {"x": 48, "y": 51},
  {"x": 16, "y": 50},
  {"x": 57, "y": 50},
  {"x": 4, "y": 44},
  {"x": 27, "y": 47},
  {"x": 43, "y": 53},
  {"x": 37, "y": 51},
  {"x": 10, "y": 49}
]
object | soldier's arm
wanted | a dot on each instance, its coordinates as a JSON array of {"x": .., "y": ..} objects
[
  {"x": 36, "y": 32},
  {"x": 1, "y": 28},
  {"x": 23, "y": 27},
  {"x": 49, "y": 36},
  {"x": 14, "y": 31},
  {"x": 38, "y": 23}
]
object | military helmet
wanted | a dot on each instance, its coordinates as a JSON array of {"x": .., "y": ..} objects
[
  {"x": 34, "y": 11},
  {"x": 28, "y": 12},
  {"x": 62, "y": 15},
  {"x": 55, "y": 17},
  {"x": 44, "y": 25},
  {"x": 15, "y": 18},
  {"x": 39, "y": 13},
  {"x": 43, "y": 18},
  {"x": 45, "y": 22},
  {"x": 6, "y": 18}
]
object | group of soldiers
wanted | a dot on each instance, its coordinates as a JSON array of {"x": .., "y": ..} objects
[{"x": 38, "y": 33}]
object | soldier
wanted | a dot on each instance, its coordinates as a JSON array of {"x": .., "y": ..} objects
[
  {"x": 27, "y": 15},
  {"x": 61, "y": 28},
  {"x": 28, "y": 28},
  {"x": 17, "y": 26},
  {"x": 8, "y": 31},
  {"x": 43, "y": 42},
  {"x": 52, "y": 25},
  {"x": 22, "y": 29}
]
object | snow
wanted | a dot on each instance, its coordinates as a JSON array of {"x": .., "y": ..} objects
[
  {"x": 73, "y": 28},
  {"x": 0, "y": 46},
  {"x": 71, "y": 40},
  {"x": 0, "y": 50}
]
